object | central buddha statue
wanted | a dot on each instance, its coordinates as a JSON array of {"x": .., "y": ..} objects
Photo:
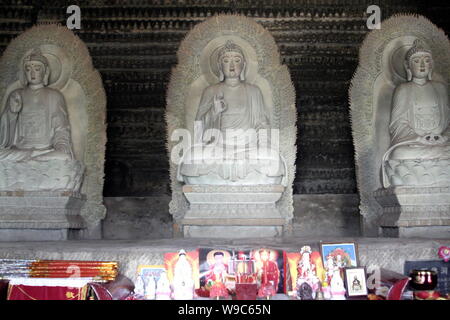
[
  {"x": 232, "y": 131},
  {"x": 35, "y": 140},
  {"x": 420, "y": 150}
]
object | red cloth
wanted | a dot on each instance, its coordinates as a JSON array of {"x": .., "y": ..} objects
[
  {"x": 218, "y": 289},
  {"x": 270, "y": 272},
  {"x": 21, "y": 292}
]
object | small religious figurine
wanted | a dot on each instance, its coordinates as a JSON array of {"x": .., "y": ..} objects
[
  {"x": 305, "y": 292},
  {"x": 307, "y": 270},
  {"x": 150, "y": 288},
  {"x": 230, "y": 108},
  {"x": 163, "y": 291},
  {"x": 337, "y": 288},
  {"x": 335, "y": 285},
  {"x": 139, "y": 286},
  {"x": 419, "y": 124},
  {"x": 34, "y": 124},
  {"x": 183, "y": 283},
  {"x": 268, "y": 274},
  {"x": 329, "y": 267}
]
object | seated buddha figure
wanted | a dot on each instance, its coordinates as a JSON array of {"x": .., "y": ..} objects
[
  {"x": 34, "y": 124},
  {"x": 419, "y": 125},
  {"x": 35, "y": 137},
  {"x": 232, "y": 131}
]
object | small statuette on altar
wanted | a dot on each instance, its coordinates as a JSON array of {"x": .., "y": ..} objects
[
  {"x": 305, "y": 292},
  {"x": 163, "y": 291},
  {"x": 150, "y": 288},
  {"x": 183, "y": 283}
]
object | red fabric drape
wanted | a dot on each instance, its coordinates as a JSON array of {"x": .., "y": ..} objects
[{"x": 21, "y": 292}]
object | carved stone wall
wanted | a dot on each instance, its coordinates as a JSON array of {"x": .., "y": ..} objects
[{"x": 133, "y": 44}]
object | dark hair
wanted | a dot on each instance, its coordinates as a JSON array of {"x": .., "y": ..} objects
[{"x": 218, "y": 253}]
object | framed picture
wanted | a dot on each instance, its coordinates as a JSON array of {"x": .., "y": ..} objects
[
  {"x": 342, "y": 254},
  {"x": 145, "y": 271},
  {"x": 355, "y": 282}
]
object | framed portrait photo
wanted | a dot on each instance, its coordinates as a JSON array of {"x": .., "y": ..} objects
[
  {"x": 343, "y": 254},
  {"x": 355, "y": 282}
]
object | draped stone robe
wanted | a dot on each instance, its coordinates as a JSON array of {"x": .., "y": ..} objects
[
  {"x": 40, "y": 125},
  {"x": 252, "y": 114}
]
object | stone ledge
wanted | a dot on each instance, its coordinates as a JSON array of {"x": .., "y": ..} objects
[
  {"x": 233, "y": 189},
  {"x": 234, "y": 222},
  {"x": 51, "y": 194}
]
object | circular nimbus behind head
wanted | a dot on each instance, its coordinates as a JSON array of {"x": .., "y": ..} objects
[{"x": 398, "y": 58}]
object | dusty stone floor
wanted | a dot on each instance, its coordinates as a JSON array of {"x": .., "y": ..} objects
[{"x": 390, "y": 253}]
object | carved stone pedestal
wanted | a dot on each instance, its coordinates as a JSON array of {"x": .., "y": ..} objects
[
  {"x": 232, "y": 212},
  {"x": 40, "y": 216},
  {"x": 415, "y": 212}
]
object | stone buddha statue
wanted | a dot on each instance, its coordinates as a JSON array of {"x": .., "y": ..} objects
[
  {"x": 34, "y": 124},
  {"x": 35, "y": 136},
  {"x": 232, "y": 131},
  {"x": 419, "y": 127}
]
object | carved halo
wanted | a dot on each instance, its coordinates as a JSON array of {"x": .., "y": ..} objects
[{"x": 398, "y": 56}]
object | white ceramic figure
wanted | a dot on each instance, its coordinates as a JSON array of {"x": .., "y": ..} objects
[
  {"x": 139, "y": 286},
  {"x": 337, "y": 288},
  {"x": 163, "y": 291},
  {"x": 150, "y": 288},
  {"x": 183, "y": 283}
]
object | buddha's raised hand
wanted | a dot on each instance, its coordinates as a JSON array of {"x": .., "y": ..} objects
[{"x": 15, "y": 102}]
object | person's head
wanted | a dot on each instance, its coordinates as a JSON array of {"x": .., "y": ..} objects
[
  {"x": 418, "y": 62},
  {"x": 231, "y": 62},
  {"x": 264, "y": 254},
  {"x": 218, "y": 257},
  {"x": 36, "y": 68}
]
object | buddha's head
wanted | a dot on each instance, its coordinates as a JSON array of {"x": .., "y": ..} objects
[
  {"x": 231, "y": 62},
  {"x": 418, "y": 62},
  {"x": 36, "y": 68}
]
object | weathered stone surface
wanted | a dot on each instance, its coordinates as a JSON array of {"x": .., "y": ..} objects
[
  {"x": 149, "y": 218},
  {"x": 382, "y": 252},
  {"x": 137, "y": 218},
  {"x": 327, "y": 214},
  {"x": 414, "y": 212},
  {"x": 38, "y": 215}
]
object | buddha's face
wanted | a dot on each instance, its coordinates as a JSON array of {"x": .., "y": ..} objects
[
  {"x": 420, "y": 64},
  {"x": 35, "y": 72},
  {"x": 232, "y": 64}
]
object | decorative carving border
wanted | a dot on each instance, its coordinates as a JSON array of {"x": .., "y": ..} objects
[
  {"x": 91, "y": 82},
  {"x": 361, "y": 100},
  {"x": 269, "y": 67}
]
